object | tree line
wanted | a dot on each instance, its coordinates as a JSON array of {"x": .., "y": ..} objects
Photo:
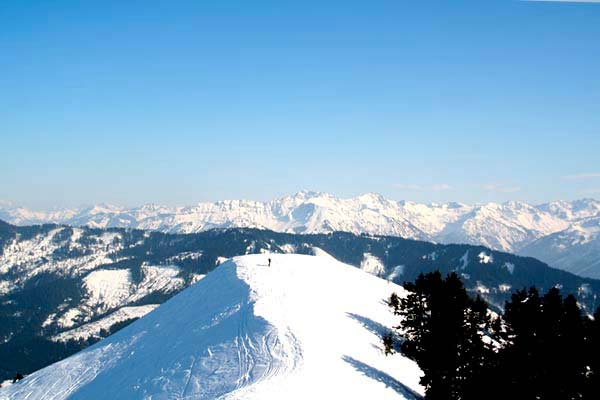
[{"x": 540, "y": 347}]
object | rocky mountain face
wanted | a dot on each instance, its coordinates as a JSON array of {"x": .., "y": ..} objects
[
  {"x": 545, "y": 231},
  {"x": 62, "y": 288}
]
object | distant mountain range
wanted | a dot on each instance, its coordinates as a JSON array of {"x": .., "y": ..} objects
[
  {"x": 62, "y": 288},
  {"x": 563, "y": 234}
]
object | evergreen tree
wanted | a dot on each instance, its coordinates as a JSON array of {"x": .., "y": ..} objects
[
  {"x": 388, "y": 343},
  {"x": 442, "y": 329},
  {"x": 543, "y": 354},
  {"x": 542, "y": 347},
  {"x": 518, "y": 363},
  {"x": 415, "y": 312},
  {"x": 394, "y": 303},
  {"x": 19, "y": 376},
  {"x": 592, "y": 386},
  {"x": 571, "y": 349},
  {"x": 549, "y": 345},
  {"x": 477, "y": 356}
]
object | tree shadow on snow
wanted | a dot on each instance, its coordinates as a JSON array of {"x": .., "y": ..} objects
[
  {"x": 382, "y": 377},
  {"x": 372, "y": 326},
  {"x": 379, "y": 330}
]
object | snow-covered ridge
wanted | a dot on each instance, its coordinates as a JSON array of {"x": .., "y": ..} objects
[
  {"x": 247, "y": 331},
  {"x": 512, "y": 226},
  {"x": 576, "y": 249},
  {"x": 506, "y": 226},
  {"x": 104, "y": 284}
]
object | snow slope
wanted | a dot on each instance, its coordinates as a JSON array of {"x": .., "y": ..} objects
[
  {"x": 246, "y": 331},
  {"x": 576, "y": 249}
]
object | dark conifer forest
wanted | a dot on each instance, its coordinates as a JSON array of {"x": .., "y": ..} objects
[{"x": 542, "y": 346}]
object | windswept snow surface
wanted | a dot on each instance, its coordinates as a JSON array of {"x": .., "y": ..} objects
[{"x": 307, "y": 327}]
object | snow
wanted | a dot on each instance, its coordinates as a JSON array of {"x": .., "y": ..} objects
[
  {"x": 68, "y": 319},
  {"x": 5, "y": 287},
  {"x": 321, "y": 253},
  {"x": 188, "y": 255},
  {"x": 511, "y": 226},
  {"x": 485, "y": 258},
  {"x": 24, "y": 259},
  {"x": 197, "y": 277},
  {"x": 575, "y": 249},
  {"x": 464, "y": 260},
  {"x": 77, "y": 233},
  {"x": 397, "y": 272},
  {"x": 288, "y": 248},
  {"x": 510, "y": 267},
  {"x": 93, "y": 329},
  {"x": 221, "y": 260},
  {"x": 110, "y": 289},
  {"x": 107, "y": 289},
  {"x": 18, "y": 253},
  {"x": 504, "y": 287},
  {"x": 481, "y": 288},
  {"x": 106, "y": 286},
  {"x": 163, "y": 279},
  {"x": 372, "y": 265},
  {"x": 248, "y": 332},
  {"x": 585, "y": 289}
]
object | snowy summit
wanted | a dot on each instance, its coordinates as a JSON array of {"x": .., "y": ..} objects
[{"x": 306, "y": 327}]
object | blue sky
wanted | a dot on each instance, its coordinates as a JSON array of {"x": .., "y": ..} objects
[{"x": 177, "y": 102}]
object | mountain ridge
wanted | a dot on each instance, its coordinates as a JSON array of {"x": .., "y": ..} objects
[
  {"x": 247, "y": 331},
  {"x": 64, "y": 288},
  {"x": 512, "y": 226}
]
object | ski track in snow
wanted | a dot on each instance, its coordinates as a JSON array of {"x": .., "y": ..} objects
[{"x": 302, "y": 328}]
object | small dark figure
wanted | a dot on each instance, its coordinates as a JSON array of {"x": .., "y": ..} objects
[
  {"x": 269, "y": 262},
  {"x": 388, "y": 343},
  {"x": 17, "y": 377}
]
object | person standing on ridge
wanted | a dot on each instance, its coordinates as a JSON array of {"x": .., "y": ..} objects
[{"x": 269, "y": 262}]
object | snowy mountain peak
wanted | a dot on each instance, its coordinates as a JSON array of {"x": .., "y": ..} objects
[
  {"x": 151, "y": 207},
  {"x": 104, "y": 208},
  {"x": 246, "y": 331},
  {"x": 512, "y": 226},
  {"x": 371, "y": 197},
  {"x": 305, "y": 193},
  {"x": 573, "y": 210}
]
